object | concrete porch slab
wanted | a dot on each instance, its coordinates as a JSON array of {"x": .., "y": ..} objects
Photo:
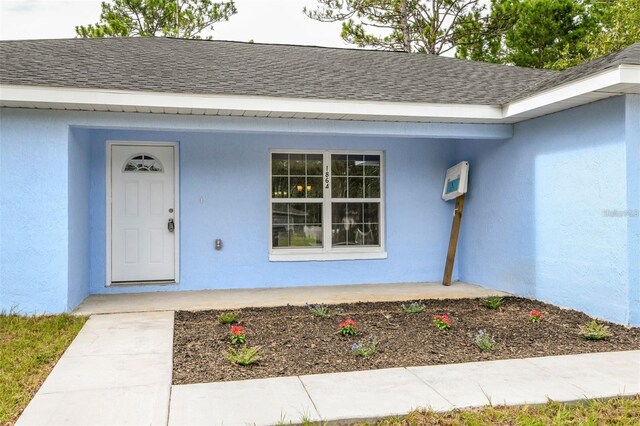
[{"x": 265, "y": 297}]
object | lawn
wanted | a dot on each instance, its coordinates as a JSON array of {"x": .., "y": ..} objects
[
  {"x": 616, "y": 411},
  {"x": 29, "y": 348}
]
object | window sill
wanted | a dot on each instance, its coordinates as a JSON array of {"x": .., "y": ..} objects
[{"x": 320, "y": 256}]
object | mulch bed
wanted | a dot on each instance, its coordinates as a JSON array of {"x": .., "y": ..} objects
[{"x": 294, "y": 342}]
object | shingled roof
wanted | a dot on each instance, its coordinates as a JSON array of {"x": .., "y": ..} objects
[
  {"x": 628, "y": 56},
  {"x": 236, "y": 68}
]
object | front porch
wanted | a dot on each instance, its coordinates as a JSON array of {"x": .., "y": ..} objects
[{"x": 266, "y": 297}]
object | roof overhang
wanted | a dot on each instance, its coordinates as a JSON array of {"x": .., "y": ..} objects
[{"x": 616, "y": 81}]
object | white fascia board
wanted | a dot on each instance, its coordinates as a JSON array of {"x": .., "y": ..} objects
[
  {"x": 88, "y": 98},
  {"x": 623, "y": 74}
]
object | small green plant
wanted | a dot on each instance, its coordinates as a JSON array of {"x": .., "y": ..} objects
[
  {"x": 228, "y": 317},
  {"x": 320, "y": 310},
  {"x": 348, "y": 327},
  {"x": 413, "y": 308},
  {"x": 442, "y": 322},
  {"x": 238, "y": 334},
  {"x": 365, "y": 349},
  {"x": 594, "y": 331},
  {"x": 485, "y": 341},
  {"x": 243, "y": 356},
  {"x": 493, "y": 302}
]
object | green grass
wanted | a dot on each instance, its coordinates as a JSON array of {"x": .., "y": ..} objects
[
  {"x": 617, "y": 411},
  {"x": 29, "y": 348}
]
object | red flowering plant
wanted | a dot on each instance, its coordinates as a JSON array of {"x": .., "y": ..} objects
[
  {"x": 237, "y": 334},
  {"x": 442, "y": 322},
  {"x": 535, "y": 316},
  {"x": 348, "y": 327}
]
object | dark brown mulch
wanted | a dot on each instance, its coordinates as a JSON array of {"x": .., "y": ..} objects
[{"x": 293, "y": 342}]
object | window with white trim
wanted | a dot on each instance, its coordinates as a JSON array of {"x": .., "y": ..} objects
[{"x": 326, "y": 205}]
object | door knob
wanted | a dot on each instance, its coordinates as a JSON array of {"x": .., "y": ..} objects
[{"x": 171, "y": 226}]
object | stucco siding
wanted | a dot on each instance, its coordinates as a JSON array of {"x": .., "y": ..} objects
[
  {"x": 79, "y": 184},
  {"x": 536, "y": 221},
  {"x": 34, "y": 221},
  {"x": 224, "y": 190},
  {"x": 633, "y": 195}
]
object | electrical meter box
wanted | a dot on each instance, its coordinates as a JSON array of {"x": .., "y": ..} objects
[{"x": 455, "y": 182}]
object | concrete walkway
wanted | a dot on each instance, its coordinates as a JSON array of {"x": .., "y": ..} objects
[
  {"x": 118, "y": 372},
  {"x": 234, "y": 299}
]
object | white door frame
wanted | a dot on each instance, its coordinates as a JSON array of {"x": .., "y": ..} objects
[{"x": 176, "y": 186}]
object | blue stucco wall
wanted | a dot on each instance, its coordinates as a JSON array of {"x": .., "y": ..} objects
[
  {"x": 79, "y": 187},
  {"x": 224, "y": 194},
  {"x": 52, "y": 224},
  {"x": 535, "y": 221},
  {"x": 34, "y": 220},
  {"x": 632, "y": 135}
]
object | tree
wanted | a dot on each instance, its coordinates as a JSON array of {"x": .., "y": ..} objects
[
  {"x": 151, "y": 18},
  {"x": 430, "y": 26},
  {"x": 532, "y": 33},
  {"x": 618, "y": 27}
]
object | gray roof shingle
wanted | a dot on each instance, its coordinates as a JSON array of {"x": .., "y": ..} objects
[
  {"x": 628, "y": 56},
  {"x": 237, "y": 68}
]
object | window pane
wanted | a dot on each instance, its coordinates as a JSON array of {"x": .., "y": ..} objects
[
  {"x": 339, "y": 187},
  {"x": 370, "y": 212},
  {"x": 356, "y": 165},
  {"x": 314, "y": 164},
  {"x": 297, "y": 164},
  {"x": 314, "y": 187},
  {"x": 372, "y": 187},
  {"x": 280, "y": 164},
  {"x": 338, "y": 165},
  {"x": 372, "y": 165},
  {"x": 296, "y": 225},
  {"x": 279, "y": 187},
  {"x": 297, "y": 187},
  {"x": 355, "y": 224},
  {"x": 355, "y": 187}
]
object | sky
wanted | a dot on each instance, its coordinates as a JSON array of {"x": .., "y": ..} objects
[{"x": 263, "y": 21}]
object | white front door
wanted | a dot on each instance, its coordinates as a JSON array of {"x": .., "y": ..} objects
[{"x": 143, "y": 208}]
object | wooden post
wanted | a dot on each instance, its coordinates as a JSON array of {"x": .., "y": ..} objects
[{"x": 453, "y": 241}]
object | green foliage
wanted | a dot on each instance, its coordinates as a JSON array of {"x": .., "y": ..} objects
[
  {"x": 29, "y": 348},
  {"x": 228, "y": 317},
  {"x": 152, "y": 18},
  {"x": 618, "y": 27},
  {"x": 365, "y": 349},
  {"x": 616, "y": 411},
  {"x": 551, "y": 34},
  {"x": 320, "y": 310},
  {"x": 430, "y": 26},
  {"x": 594, "y": 331},
  {"x": 493, "y": 302},
  {"x": 485, "y": 342},
  {"x": 243, "y": 356},
  {"x": 413, "y": 308},
  {"x": 529, "y": 33}
]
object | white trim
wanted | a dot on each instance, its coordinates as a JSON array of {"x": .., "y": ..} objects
[
  {"x": 602, "y": 82},
  {"x": 176, "y": 208},
  {"x": 327, "y": 252},
  {"x": 122, "y": 100}
]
